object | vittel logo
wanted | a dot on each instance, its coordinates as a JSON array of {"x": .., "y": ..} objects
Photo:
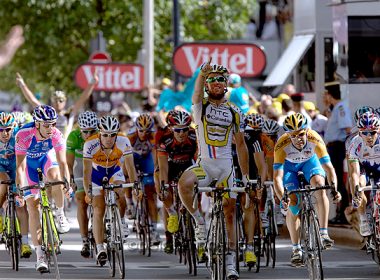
[{"x": 247, "y": 60}]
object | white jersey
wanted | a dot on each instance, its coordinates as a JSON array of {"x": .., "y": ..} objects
[
  {"x": 215, "y": 126},
  {"x": 369, "y": 157}
]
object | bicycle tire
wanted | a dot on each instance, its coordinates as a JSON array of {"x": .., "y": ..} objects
[
  {"x": 219, "y": 250},
  {"x": 14, "y": 237},
  {"x": 270, "y": 237},
  {"x": 140, "y": 228},
  {"x": 239, "y": 229},
  {"x": 313, "y": 248},
  {"x": 147, "y": 227},
  {"x": 257, "y": 237},
  {"x": 192, "y": 247},
  {"x": 186, "y": 245},
  {"x": 90, "y": 233},
  {"x": 51, "y": 249},
  {"x": 118, "y": 249}
]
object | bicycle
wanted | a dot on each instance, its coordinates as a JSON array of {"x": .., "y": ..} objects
[
  {"x": 373, "y": 216},
  {"x": 311, "y": 242},
  {"x": 217, "y": 236},
  {"x": 50, "y": 237},
  {"x": 142, "y": 223},
  {"x": 11, "y": 235},
  {"x": 113, "y": 228}
]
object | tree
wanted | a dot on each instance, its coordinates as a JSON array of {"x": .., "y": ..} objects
[{"x": 57, "y": 34}]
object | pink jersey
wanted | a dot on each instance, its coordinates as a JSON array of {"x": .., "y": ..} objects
[{"x": 27, "y": 144}]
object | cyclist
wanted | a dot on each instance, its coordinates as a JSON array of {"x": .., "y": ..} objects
[
  {"x": 144, "y": 152},
  {"x": 22, "y": 118},
  {"x": 41, "y": 145},
  {"x": 88, "y": 124},
  {"x": 8, "y": 130},
  {"x": 58, "y": 100},
  {"x": 176, "y": 151},
  {"x": 217, "y": 122},
  {"x": 364, "y": 160},
  {"x": 302, "y": 149},
  {"x": 102, "y": 155}
]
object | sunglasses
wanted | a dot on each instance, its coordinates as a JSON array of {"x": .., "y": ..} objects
[
  {"x": 180, "y": 129},
  {"x": 59, "y": 100},
  {"x": 219, "y": 79},
  {"x": 143, "y": 130},
  {"x": 108, "y": 135},
  {"x": 299, "y": 135},
  {"x": 48, "y": 125},
  {"x": 368, "y": 133},
  {"x": 92, "y": 131},
  {"x": 8, "y": 129}
]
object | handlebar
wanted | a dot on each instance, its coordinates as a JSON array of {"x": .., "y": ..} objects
[
  {"x": 42, "y": 185},
  {"x": 369, "y": 188},
  {"x": 7, "y": 182},
  {"x": 309, "y": 189}
]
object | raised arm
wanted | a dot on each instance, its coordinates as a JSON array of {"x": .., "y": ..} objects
[
  {"x": 11, "y": 44},
  {"x": 85, "y": 95},
  {"x": 200, "y": 82},
  {"x": 28, "y": 94}
]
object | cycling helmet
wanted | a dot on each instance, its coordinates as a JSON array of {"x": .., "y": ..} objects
[
  {"x": 44, "y": 113},
  {"x": 178, "y": 118},
  {"x": 234, "y": 79},
  {"x": 6, "y": 119},
  {"x": 87, "y": 120},
  {"x": 144, "y": 122},
  {"x": 368, "y": 121},
  {"x": 377, "y": 110},
  {"x": 219, "y": 69},
  {"x": 271, "y": 127},
  {"x": 256, "y": 121},
  {"x": 295, "y": 122},
  {"x": 109, "y": 124},
  {"x": 19, "y": 117},
  {"x": 361, "y": 111},
  {"x": 58, "y": 94}
]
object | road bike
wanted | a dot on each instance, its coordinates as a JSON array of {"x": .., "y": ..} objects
[
  {"x": 11, "y": 230},
  {"x": 311, "y": 242},
  {"x": 50, "y": 237}
]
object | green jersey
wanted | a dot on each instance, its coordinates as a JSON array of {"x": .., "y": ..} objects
[{"x": 74, "y": 144}]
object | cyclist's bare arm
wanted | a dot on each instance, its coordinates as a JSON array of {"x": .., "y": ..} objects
[
  {"x": 28, "y": 94},
  {"x": 278, "y": 176},
  {"x": 87, "y": 170},
  {"x": 242, "y": 152},
  {"x": 20, "y": 169},
  {"x": 130, "y": 166},
  {"x": 163, "y": 167},
  {"x": 70, "y": 158},
  {"x": 261, "y": 165},
  {"x": 354, "y": 173},
  {"x": 331, "y": 175},
  {"x": 62, "y": 163},
  {"x": 200, "y": 83}
]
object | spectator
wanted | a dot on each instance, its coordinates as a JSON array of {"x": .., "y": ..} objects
[
  {"x": 319, "y": 121},
  {"x": 250, "y": 34},
  {"x": 338, "y": 128},
  {"x": 298, "y": 99},
  {"x": 287, "y": 109},
  {"x": 265, "y": 102},
  {"x": 237, "y": 94}
]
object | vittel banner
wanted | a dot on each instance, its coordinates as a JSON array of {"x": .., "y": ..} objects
[
  {"x": 246, "y": 59},
  {"x": 112, "y": 76}
]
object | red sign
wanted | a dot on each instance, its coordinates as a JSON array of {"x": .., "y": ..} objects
[
  {"x": 100, "y": 57},
  {"x": 245, "y": 59},
  {"x": 112, "y": 76}
]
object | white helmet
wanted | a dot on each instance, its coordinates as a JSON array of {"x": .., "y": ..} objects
[
  {"x": 270, "y": 127},
  {"x": 87, "y": 120},
  {"x": 109, "y": 124},
  {"x": 58, "y": 94}
]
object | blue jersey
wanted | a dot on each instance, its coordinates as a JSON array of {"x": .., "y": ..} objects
[
  {"x": 240, "y": 98},
  {"x": 7, "y": 154}
]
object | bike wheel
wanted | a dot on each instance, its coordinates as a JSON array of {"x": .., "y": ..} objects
[
  {"x": 271, "y": 237},
  {"x": 192, "y": 247},
  {"x": 141, "y": 228},
  {"x": 91, "y": 237},
  {"x": 147, "y": 228},
  {"x": 219, "y": 252},
  {"x": 257, "y": 243},
  {"x": 313, "y": 248},
  {"x": 51, "y": 241},
  {"x": 14, "y": 236},
  {"x": 118, "y": 248}
]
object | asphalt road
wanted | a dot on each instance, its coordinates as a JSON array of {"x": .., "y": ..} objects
[{"x": 339, "y": 263}]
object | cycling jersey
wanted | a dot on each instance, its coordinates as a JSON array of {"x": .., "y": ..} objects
[
  {"x": 104, "y": 165},
  {"x": 75, "y": 143},
  {"x": 268, "y": 142},
  {"x": 368, "y": 157},
  {"x": 215, "y": 126},
  {"x": 8, "y": 156},
  {"x": 142, "y": 154}
]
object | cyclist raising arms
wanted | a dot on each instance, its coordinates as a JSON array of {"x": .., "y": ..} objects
[
  {"x": 364, "y": 160},
  {"x": 102, "y": 157},
  {"x": 8, "y": 131},
  {"x": 217, "y": 121},
  {"x": 41, "y": 145},
  {"x": 302, "y": 149},
  {"x": 88, "y": 124}
]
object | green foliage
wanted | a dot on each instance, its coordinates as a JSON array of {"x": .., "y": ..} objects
[{"x": 57, "y": 34}]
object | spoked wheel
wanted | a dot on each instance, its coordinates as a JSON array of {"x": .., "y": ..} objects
[
  {"x": 147, "y": 230},
  {"x": 118, "y": 245},
  {"x": 313, "y": 247},
  {"x": 269, "y": 244},
  {"x": 191, "y": 255},
  {"x": 257, "y": 242},
  {"x": 219, "y": 249},
  {"x": 52, "y": 245},
  {"x": 240, "y": 242},
  {"x": 14, "y": 237}
]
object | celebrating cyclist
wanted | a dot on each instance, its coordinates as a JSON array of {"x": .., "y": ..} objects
[
  {"x": 102, "y": 157},
  {"x": 364, "y": 161},
  {"x": 302, "y": 149},
  {"x": 8, "y": 132},
  {"x": 217, "y": 122},
  {"x": 88, "y": 125},
  {"x": 142, "y": 141},
  {"x": 41, "y": 145}
]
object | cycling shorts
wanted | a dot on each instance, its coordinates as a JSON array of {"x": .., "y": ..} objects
[
  {"x": 9, "y": 169},
  {"x": 310, "y": 168},
  {"x": 45, "y": 163},
  {"x": 114, "y": 174},
  {"x": 208, "y": 169}
]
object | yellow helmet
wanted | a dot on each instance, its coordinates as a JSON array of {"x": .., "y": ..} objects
[
  {"x": 295, "y": 122},
  {"x": 144, "y": 122}
]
